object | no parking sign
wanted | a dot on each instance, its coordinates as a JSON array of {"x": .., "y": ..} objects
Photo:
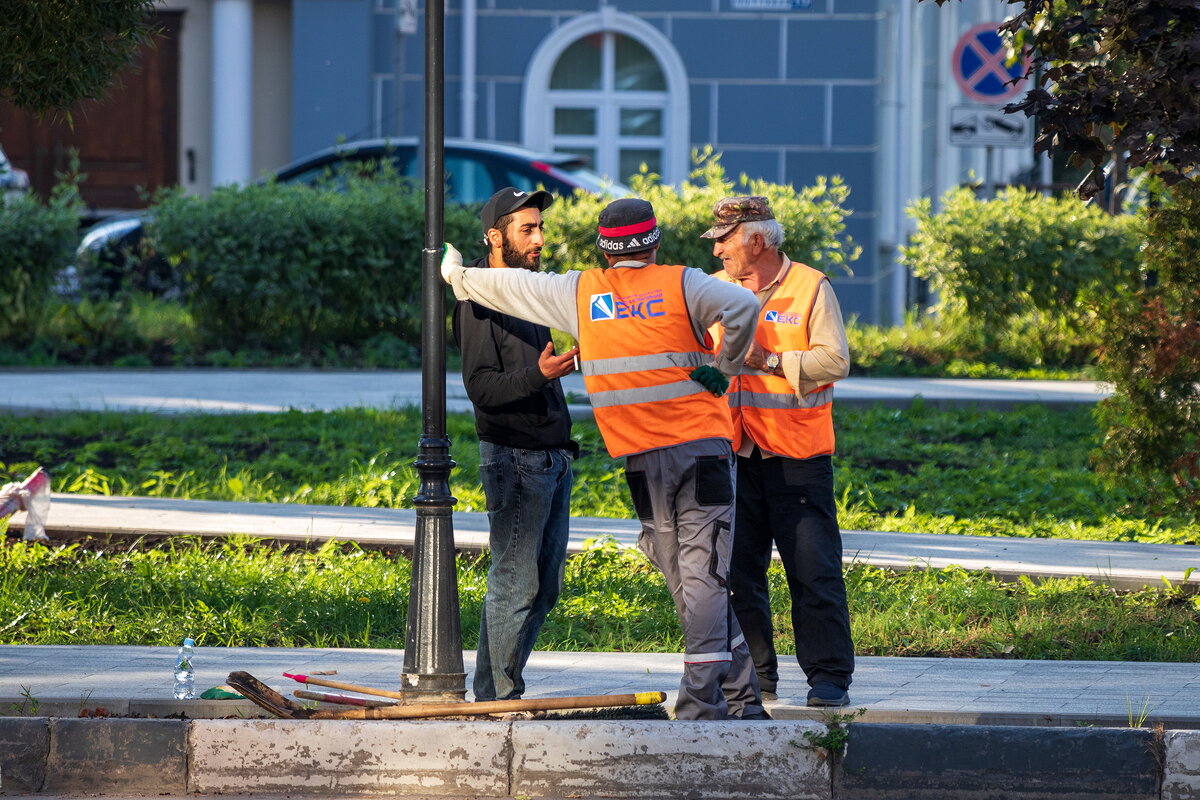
[{"x": 979, "y": 68}]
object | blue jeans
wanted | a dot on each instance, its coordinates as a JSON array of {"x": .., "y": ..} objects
[{"x": 528, "y": 501}]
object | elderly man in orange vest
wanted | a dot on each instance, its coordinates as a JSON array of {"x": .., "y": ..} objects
[
  {"x": 654, "y": 382},
  {"x": 782, "y": 407}
]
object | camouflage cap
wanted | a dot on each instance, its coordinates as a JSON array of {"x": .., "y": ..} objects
[{"x": 729, "y": 212}]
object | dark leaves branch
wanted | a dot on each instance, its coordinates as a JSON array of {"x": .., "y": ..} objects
[{"x": 1112, "y": 77}]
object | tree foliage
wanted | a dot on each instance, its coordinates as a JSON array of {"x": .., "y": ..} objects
[
  {"x": 1113, "y": 76},
  {"x": 1151, "y": 354},
  {"x": 54, "y": 53},
  {"x": 1116, "y": 79}
]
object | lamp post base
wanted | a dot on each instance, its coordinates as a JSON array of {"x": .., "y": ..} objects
[{"x": 433, "y": 688}]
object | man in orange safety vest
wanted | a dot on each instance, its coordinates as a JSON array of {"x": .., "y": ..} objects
[{"x": 782, "y": 408}]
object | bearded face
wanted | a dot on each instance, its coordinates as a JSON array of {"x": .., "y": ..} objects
[
  {"x": 521, "y": 255},
  {"x": 521, "y": 239}
]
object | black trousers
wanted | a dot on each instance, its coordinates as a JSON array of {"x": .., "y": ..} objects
[{"x": 788, "y": 503}]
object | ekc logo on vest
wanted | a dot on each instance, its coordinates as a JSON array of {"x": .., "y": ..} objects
[
  {"x": 783, "y": 318},
  {"x": 640, "y": 306}
]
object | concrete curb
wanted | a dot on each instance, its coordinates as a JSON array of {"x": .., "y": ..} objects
[
  {"x": 103, "y": 756},
  {"x": 343, "y": 757},
  {"x": 663, "y": 759},
  {"x": 1181, "y": 766},
  {"x": 651, "y": 759},
  {"x": 940, "y": 762},
  {"x": 24, "y": 750}
]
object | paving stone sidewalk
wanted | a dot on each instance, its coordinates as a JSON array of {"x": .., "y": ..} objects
[
  {"x": 266, "y": 390},
  {"x": 65, "y": 680}
]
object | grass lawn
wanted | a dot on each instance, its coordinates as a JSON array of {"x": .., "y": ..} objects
[
  {"x": 925, "y": 470},
  {"x": 1021, "y": 472}
]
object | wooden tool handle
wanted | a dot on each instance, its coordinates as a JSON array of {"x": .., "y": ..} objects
[
  {"x": 417, "y": 710},
  {"x": 349, "y": 687},
  {"x": 342, "y": 699}
]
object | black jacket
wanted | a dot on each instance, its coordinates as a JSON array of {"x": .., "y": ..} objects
[{"x": 515, "y": 404}]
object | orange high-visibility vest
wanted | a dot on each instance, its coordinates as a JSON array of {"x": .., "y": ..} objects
[
  {"x": 637, "y": 350},
  {"x": 764, "y": 406}
]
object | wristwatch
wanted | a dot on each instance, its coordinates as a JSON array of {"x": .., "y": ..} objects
[{"x": 772, "y": 361}]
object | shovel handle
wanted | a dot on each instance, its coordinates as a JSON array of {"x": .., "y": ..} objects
[
  {"x": 417, "y": 710},
  {"x": 342, "y": 699}
]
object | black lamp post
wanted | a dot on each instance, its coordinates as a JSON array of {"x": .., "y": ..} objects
[{"x": 433, "y": 662}]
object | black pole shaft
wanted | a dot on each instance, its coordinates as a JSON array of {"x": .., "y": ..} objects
[{"x": 433, "y": 661}]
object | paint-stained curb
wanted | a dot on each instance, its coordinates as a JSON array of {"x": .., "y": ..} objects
[
  {"x": 575, "y": 758},
  {"x": 343, "y": 757},
  {"x": 661, "y": 759},
  {"x": 1181, "y": 766}
]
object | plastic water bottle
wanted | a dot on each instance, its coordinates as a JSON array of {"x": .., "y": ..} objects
[{"x": 185, "y": 675}]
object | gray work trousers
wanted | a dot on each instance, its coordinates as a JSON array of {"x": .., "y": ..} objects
[{"x": 684, "y": 498}]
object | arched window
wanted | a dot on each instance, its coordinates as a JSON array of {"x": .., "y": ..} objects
[{"x": 610, "y": 87}]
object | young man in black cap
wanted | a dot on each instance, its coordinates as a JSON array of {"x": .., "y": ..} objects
[
  {"x": 511, "y": 374},
  {"x": 655, "y": 386}
]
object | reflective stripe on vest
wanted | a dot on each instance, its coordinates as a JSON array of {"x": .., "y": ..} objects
[
  {"x": 637, "y": 350},
  {"x": 612, "y": 366},
  {"x": 765, "y": 407},
  {"x": 786, "y": 400},
  {"x": 646, "y": 394}
]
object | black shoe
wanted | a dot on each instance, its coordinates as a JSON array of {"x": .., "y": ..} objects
[
  {"x": 824, "y": 694},
  {"x": 769, "y": 695},
  {"x": 761, "y": 715}
]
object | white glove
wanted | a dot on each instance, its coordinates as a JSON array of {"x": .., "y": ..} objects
[{"x": 451, "y": 260}]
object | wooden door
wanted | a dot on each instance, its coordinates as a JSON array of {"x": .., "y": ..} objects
[{"x": 128, "y": 143}]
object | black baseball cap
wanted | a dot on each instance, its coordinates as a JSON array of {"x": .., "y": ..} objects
[{"x": 508, "y": 200}]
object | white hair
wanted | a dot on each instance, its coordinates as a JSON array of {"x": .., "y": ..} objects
[{"x": 769, "y": 229}]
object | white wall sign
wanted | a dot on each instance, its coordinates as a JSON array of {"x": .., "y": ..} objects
[
  {"x": 406, "y": 17},
  {"x": 988, "y": 126},
  {"x": 770, "y": 5}
]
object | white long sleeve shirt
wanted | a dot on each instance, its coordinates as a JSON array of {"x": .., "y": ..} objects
[{"x": 550, "y": 299}]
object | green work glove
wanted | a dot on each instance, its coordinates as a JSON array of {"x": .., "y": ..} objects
[{"x": 711, "y": 378}]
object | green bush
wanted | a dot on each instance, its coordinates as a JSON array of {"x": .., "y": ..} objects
[
  {"x": 813, "y": 219},
  {"x": 280, "y": 269},
  {"x": 1020, "y": 254},
  {"x": 1151, "y": 354},
  {"x": 36, "y": 241},
  {"x": 295, "y": 269},
  {"x": 1031, "y": 346},
  {"x": 130, "y": 330}
]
